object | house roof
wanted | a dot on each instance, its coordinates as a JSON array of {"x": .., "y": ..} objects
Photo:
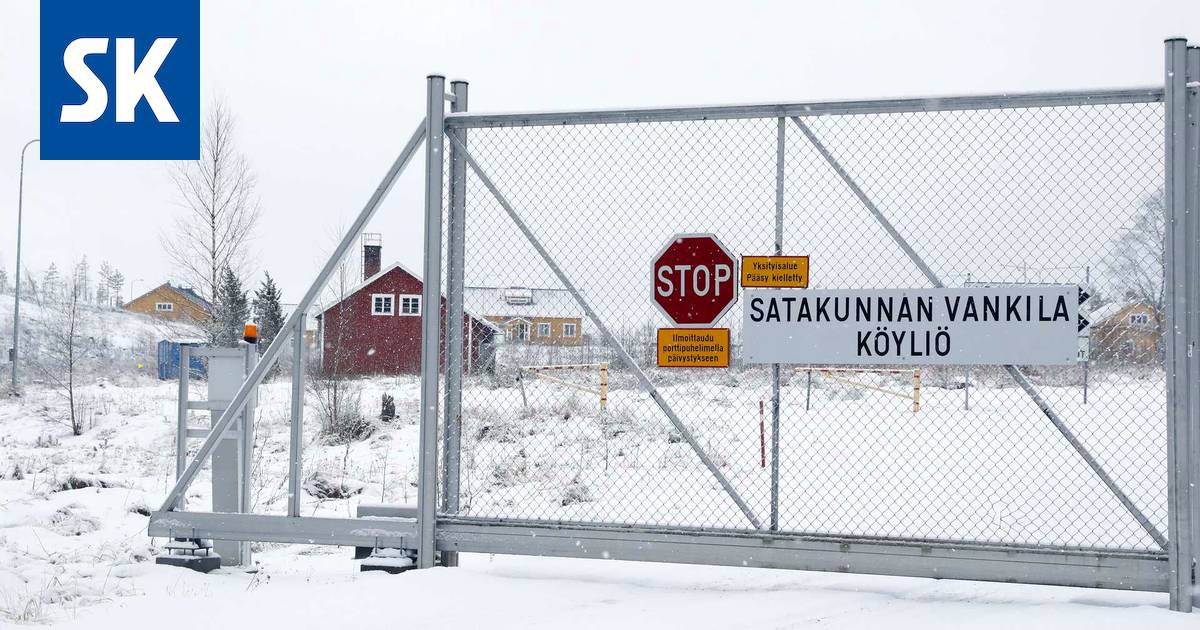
[
  {"x": 184, "y": 292},
  {"x": 1113, "y": 309},
  {"x": 523, "y": 302},
  {"x": 194, "y": 297},
  {"x": 388, "y": 269}
]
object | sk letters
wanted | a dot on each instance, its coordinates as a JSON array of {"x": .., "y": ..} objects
[{"x": 120, "y": 80}]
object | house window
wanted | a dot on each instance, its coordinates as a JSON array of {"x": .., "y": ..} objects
[
  {"x": 543, "y": 330},
  {"x": 164, "y": 307},
  {"x": 516, "y": 330},
  {"x": 383, "y": 304},
  {"x": 1127, "y": 348},
  {"x": 569, "y": 330},
  {"x": 410, "y": 305},
  {"x": 1139, "y": 319}
]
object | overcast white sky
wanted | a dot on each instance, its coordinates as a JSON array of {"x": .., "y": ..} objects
[{"x": 326, "y": 92}]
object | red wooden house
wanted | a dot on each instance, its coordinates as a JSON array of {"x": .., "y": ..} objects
[{"x": 376, "y": 328}]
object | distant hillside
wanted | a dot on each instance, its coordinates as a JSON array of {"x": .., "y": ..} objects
[{"x": 117, "y": 341}]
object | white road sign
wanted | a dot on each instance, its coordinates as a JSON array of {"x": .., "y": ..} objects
[{"x": 1029, "y": 325}]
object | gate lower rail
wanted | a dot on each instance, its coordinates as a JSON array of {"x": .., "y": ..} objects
[
  {"x": 1137, "y": 571},
  {"x": 1133, "y": 571}
]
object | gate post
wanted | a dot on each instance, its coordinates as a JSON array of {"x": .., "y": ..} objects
[
  {"x": 245, "y": 444},
  {"x": 1193, "y": 197},
  {"x": 232, "y": 459},
  {"x": 431, "y": 311},
  {"x": 780, "y": 146},
  {"x": 455, "y": 365},
  {"x": 296, "y": 428},
  {"x": 181, "y": 427},
  {"x": 1179, "y": 258}
]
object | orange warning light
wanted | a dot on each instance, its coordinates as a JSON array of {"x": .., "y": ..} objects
[{"x": 250, "y": 333}]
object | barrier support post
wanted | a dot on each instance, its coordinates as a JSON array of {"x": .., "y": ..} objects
[
  {"x": 780, "y": 146},
  {"x": 185, "y": 372},
  {"x": 916, "y": 390},
  {"x": 296, "y": 433},
  {"x": 457, "y": 356},
  {"x": 603, "y": 386},
  {"x": 431, "y": 330}
]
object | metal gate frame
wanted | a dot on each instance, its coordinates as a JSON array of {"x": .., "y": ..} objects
[{"x": 1171, "y": 569}]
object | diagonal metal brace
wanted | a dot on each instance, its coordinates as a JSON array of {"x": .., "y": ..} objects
[
  {"x": 608, "y": 336},
  {"x": 271, "y": 354},
  {"x": 1012, "y": 370}
]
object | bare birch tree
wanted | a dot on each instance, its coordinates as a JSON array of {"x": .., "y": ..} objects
[
  {"x": 220, "y": 208},
  {"x": 1139, "y": 262},
  {"x": 337, "y": 396},
  {"x": 68, "y": 345}
]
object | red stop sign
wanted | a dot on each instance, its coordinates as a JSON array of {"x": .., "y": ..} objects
[{"x": 695, "y": 279}]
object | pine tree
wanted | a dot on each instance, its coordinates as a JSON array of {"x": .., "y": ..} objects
[
  {"x": 115, "y": 284},
  {"x": 231, "y": 312},
  {"x": 31, "y": 286},
  {"x": 102, "y": 295},
  {"x": 50, "y": 282},
  {"x": 81, "y": 280},
  {"x": 104, "y": 285},
  {"x": 3, "y": 280},
  {"x": 267, "y": 311}
]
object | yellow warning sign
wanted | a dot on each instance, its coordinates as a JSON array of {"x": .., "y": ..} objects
[
  {"x": 775, "y": 272},
  {"x": 693, "y": 347}
]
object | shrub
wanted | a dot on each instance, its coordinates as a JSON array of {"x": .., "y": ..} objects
[
  {"x": 575, "y": 492},
  {"x": 79, "y": 482},
  {"x": 512, "y": 472},
  {"x": 339, "y": 406},
  {"x": 323, "y": 486},
  {"x": 70, "y": 520}
]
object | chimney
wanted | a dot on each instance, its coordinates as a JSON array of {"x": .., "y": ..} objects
[{"x": 372, "y": 254}]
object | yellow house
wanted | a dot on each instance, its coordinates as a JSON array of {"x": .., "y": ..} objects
[
  {"x": 1127, "y": 332},
  {"x": 171, "y": 302},
  {"x": 543, "y": 317}
]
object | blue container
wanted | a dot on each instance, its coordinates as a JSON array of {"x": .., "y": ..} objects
[{"x": 168, "y": 361}]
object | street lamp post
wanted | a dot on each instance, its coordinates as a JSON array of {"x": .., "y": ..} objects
[{"x": 17, "y": 293}]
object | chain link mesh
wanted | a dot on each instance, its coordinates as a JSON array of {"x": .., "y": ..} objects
[{"x": 1068, "y": 194}]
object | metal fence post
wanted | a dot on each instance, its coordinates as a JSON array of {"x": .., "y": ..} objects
[
  {"x": 1193, "y": 182},
  {"x": 431, "y": 300},
  {"x": 1179, "y": 261},
  {"x": 780, "y": 144},
  {"x": 246, "y": 449},
  {"x": 185, "y": 372},
  {"x": 967, "y": 391},
  {"x": 295, "y": 454},
  {"x": 808, "y": 390},
  {"x": 456, "y": 244}
]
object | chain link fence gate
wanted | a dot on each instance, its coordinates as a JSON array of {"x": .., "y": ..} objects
[
  {"x": 540, "y": 228},
  {"x": 1040, "y": 474}
]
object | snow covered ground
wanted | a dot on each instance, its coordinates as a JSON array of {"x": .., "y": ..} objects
[
  {"x": 857, "y": 462},
  {"x": 297, "y": 588},
  {"x": 73, "y": 509},
  {"x": 80, "y": 557}
]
